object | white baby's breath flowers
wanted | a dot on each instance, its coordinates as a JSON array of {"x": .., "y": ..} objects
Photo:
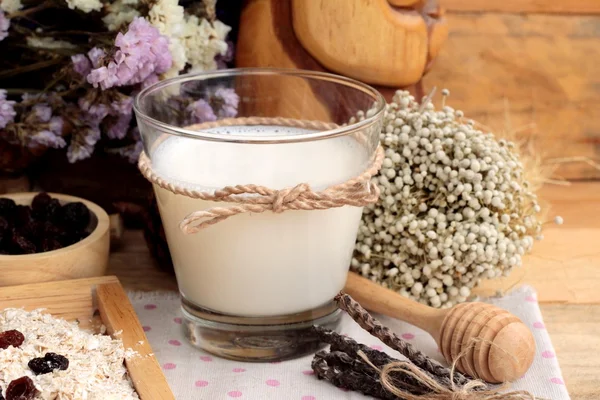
[
  {"x": 120, "y": 13},
  {"x": 192, "y": 40},
  {"x": 203, "y": 41},
  {"x": 48, "y": 43},
  {"x": 454, "y": 208},
  {"x": 10, "y": 6},
  {"x": 169, "y": 18},
  {"x": 85, "y": 5}
]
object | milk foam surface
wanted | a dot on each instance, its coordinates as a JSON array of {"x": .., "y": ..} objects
[{"x": 259, "y": 264}]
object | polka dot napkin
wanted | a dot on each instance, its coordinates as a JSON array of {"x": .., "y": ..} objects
[{"x": 194, "y": 374}]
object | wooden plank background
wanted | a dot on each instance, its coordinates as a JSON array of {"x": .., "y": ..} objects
[
  {"x": 525, "y": 6},
  {"x": 536, "y": 73}
]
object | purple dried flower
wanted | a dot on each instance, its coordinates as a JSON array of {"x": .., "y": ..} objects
[
  {"x": 7, "y": 110},
  {"x": 122, "y": 106},
  {"x": 46, "y": 138},
  {"x": 56, "y": 125},
  {"x": 230, "y": 101},
  {"x": 142, "y": 52},
  {"x": 4, "y": 25},
  {"x": 94, "y": 113},
  {"x": 200, "y": 111},
  {"x": 81, "y": 64},
  {"x": 131, "y": 152},
  {"x": 82, "y": 144},
  {"x": 118, "y": 129},
  {"x": 96, "y": 56},
  {"x": 223, "y": 59},
  {"x": 42, "y": 112},
  {"x": 151, "y": 80},
  {"x": 135, "y": 134}
]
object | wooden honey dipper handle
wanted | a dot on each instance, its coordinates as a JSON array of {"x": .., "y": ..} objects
[
  {"x": 486, "y": 342},
  {"x": 376, "y": 298}
]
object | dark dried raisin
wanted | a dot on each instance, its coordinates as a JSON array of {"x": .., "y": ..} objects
[
  {"x": 22, "y": 245},
  {"x": 49, "y": 244},
  {"x": 4, "y": 225},
  {"x": 60, "y": 362},
  {"x": 7, "y": 206},
  {"x": 40, "y": 202},
  {"x": 4, "y": 229},
  {"x": 11, "y": 338},
  {"x": 53, "y": 210},
  {"x": 49, "y": 363},
  {"x": 75, "y": 216},
  {"x": 21, "y": 389},
  {"x": 22, "y": 215},
  {"x": 52, "y": 230},
  {"x": 1, "y": 397}
]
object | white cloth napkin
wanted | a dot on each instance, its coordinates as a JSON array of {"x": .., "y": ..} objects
[{"x": 194, "y": 374}]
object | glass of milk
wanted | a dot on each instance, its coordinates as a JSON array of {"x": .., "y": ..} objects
[{"x": 254, "y": 284}]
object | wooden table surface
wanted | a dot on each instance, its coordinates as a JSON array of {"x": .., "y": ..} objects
[{"x": 564, "y": 268}]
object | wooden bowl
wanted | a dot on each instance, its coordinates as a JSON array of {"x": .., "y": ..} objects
[{"x": 85, "y": 259}]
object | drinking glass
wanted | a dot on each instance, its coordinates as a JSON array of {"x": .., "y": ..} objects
[{"x": 253, "y": 284}]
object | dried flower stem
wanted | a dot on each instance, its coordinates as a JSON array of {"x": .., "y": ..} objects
[
  {"x": 383, "y": 333},
  {"x": 346, "y": 378},
  {"x": 346, "y": 345}
]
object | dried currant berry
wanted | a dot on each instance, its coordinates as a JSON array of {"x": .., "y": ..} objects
[
  {"x": 75, "y": 216},
  {"x": 22, "y": 215},
  {"x": 21, "y": 389},
  {"x": 53, "y": 210},
  {"x": 49, "y": 363},
  {"x": 51, "y": 230},
  {"x": 4, "y": 228},
  {"x": 49, "y": 244},
  {"x": 22, "y": 245},
  {"x": 7, "y": 206},
  {"x": 11, "y": 338},
  {"x": 59, "y": 362},
  {"x": 40, "y": 202}
]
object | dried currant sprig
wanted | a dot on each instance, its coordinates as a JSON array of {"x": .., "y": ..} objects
[
  {"x": 11, "y": 338},
  {"x": 21, "y": 389},
  {"x": 49, "y": 363}
]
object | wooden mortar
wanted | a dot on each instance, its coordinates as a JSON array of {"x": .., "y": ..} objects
[{"x": 485, "y": 341}]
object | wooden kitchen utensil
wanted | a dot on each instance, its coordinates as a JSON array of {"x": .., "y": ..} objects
[{"x": 486, "y": 342}]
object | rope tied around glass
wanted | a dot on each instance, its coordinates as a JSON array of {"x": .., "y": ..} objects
[{"x": 358, "y": 191}]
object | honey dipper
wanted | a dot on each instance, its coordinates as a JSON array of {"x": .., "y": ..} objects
[{"x": 497, "y": 346}]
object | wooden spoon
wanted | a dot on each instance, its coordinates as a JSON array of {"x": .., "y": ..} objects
[{"x": 489, "y": 343}]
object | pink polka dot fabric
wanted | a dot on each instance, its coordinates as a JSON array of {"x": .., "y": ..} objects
[{"x": 194, "y": 374}]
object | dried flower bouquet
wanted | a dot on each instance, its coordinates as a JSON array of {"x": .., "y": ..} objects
[{"x": 70, "y": 69}]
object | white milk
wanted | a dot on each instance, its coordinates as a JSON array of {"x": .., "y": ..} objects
[{"x": 259, "y": 264}]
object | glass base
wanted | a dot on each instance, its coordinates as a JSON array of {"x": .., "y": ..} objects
[{"x": 257, "y": 339}]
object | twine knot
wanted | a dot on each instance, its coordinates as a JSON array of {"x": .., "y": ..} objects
[
  {"x": 358, "y": 191},
  {"x": 284, "y": 197}
]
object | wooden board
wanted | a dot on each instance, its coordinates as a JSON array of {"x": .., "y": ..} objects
[
  {"x": 533, "y": 73},
  {"x": 79, "y": 300},
  {"x": 524, "y": 6}
]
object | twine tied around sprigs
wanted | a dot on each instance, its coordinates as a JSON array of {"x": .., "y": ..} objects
[
  {"x": 358, "y": 191},
  {"x": 472, "y": 390}
]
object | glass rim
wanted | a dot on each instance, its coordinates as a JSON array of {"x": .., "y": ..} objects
[{"x": 301, "y": 73}]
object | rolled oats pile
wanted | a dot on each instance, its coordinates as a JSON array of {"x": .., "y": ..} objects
[{"x": 42, "y": 357}]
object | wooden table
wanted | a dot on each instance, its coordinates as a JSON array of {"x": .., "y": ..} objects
[{"x": 564, "y": 268}]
